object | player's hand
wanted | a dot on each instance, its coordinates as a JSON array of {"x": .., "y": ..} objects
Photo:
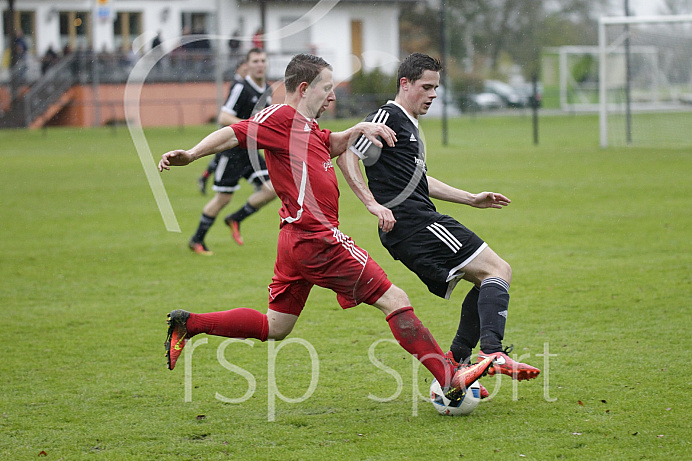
[
  {"x": 174, "y": 158},
  {"x": 374, "y": 131},
  {"x": 490, "y": 200},
  {"x": 384, "y": 215}
]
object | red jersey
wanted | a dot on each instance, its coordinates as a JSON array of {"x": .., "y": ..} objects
[{"x": 299, "y": 165}]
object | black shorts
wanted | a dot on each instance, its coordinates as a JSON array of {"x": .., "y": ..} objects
[
  {"x": 235, "y": 164},
  {"x": 438, "y": 253}
]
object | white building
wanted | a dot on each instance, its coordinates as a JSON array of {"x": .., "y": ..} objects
[{"x": 335, "y": 30}]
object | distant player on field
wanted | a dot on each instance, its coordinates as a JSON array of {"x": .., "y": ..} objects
[
  {"x": 439, "y": 249},
  {"x": 311, "y": 249},
  {"x": 245, "y": 98},
  {"x": 239, "y": 77}
]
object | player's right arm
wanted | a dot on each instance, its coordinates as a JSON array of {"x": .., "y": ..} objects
[
  {"x": 349, "y": 164},
  {"x": 222, "y": 139}
]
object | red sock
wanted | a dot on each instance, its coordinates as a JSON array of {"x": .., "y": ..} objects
[
  {"x": 417, "y": 340},
  {"x": 236, "y": 323}
]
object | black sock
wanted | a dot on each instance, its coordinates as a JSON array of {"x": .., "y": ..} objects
[
  {"x": 243, "y": 212},
  {"x": 493, "y": 301},
  {"x": 468, "y": 332},
  {"x": 205, "y": 222}
]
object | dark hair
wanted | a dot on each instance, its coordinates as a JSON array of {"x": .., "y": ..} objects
[
  {"x": 303, "y": 68},
  {"x": 252, "y": 51},
  {"x": 413, "y": 66}
]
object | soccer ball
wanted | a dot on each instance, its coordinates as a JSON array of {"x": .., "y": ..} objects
[{"x": 461, "y": 407}]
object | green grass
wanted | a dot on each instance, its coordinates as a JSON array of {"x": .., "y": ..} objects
[{"x": 598, "y": 240}]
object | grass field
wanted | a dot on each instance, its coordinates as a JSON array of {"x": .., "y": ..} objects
[{"x": 599, "y": 242}]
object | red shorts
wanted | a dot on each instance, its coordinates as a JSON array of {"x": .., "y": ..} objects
[{"x": 328, "y": 259}]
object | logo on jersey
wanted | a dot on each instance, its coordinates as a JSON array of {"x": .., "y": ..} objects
[
  {"x": 412, "y": 138},
  {"x": 420, "y": 165},
  {"x": 307, "y": 128},
  {"x": 327, "y": 165}
]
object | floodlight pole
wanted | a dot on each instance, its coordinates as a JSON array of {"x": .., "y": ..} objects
[
  {"x": 95, "y": 76},
  {"x": 443, "y": 61},
  {"x": 220, "y": 57},
  {"x": 628, "y": 76},
  {"x": 602, "y": 83},
  {"x": 12, "y": 36},
  {"x": 534, "y": 106}
]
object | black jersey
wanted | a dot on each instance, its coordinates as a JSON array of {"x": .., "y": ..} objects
[
  {"x": 245, "y": 98},
  {"x": 397, "y": 175}
]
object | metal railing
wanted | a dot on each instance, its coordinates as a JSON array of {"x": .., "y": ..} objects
[{"x": 49, "y": 89}]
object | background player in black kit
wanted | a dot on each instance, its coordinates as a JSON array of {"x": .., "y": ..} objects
[
  {"x": 245, "y": 98},
  {"x": 439, "y": 249},
  {"x": 239, "y": 77}
]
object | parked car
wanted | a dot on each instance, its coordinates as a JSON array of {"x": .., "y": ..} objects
[
  {"x": 526, "y": 89},
  {"x": 436, "y": 109},
  {"x": 510, "y": 96},
  {"x": 486, "y": 101}
]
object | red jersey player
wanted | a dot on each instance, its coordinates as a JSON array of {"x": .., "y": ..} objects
[{"x": 311, "y": 249}]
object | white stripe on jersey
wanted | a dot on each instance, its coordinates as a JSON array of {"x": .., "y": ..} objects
[
  {"x": 233, "y": 99},
  {"x": 301, "y": 194},
  {"x": 449, "y": 235},
  {"x": 220, "y": 168},
  {"x": 347, "y": 242},
  {"x": 363, "y": 144},
  {"x": 265, "y": 113},
  {"x": 445, "y": 236}
]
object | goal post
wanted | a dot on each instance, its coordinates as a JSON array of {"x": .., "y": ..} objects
[{"x": 645, "y": 97}]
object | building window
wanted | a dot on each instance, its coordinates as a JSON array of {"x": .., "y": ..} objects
[
  {"x": 127, "y": 27},
  {"x": 299, "y": 42},
  {"x": 198, "y": 23},
  {"x": 75, "y": 30},
  {"x": 24, "y": 21}
]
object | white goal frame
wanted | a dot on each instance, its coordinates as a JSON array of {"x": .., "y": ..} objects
[{"x": 603, "y": 53}]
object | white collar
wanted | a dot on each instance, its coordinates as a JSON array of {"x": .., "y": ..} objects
[
  {"x": 254, "y": 85},
  {"x": 413, "y": 120}
]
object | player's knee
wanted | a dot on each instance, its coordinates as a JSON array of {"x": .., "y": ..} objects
[
  {"x": 393, "y": 299},
  {"x": 278, "y": 334},
  {"x": 397, "y": 297},
  {"x": 224, "y": 198},
  {"x": 500, "y": 268},
  {"x": 505, "y": 271}
]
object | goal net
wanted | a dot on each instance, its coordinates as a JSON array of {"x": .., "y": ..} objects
[{"x": 645, "y": 81}]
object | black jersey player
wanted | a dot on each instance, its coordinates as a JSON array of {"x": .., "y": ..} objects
[
  {"x": 439, "y": 249},
  {"x": 246, "y": 97}
]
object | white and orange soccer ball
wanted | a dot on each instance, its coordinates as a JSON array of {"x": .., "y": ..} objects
[{"x": 459, "y": 408}]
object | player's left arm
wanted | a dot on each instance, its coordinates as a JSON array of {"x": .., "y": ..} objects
[
  {"x": 339, "y": 142},
  {"x": 441, "y": 191}
]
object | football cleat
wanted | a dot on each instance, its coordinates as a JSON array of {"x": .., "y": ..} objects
[
  {"x": 177, "y": 336},
  {"x": 200, "y": 248},
  {"x": 505, "y": 365},
  {"x": 235, "y": 229},
  {"x": 450, "y": 358},
  {"x": 465, "y": 376}
]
